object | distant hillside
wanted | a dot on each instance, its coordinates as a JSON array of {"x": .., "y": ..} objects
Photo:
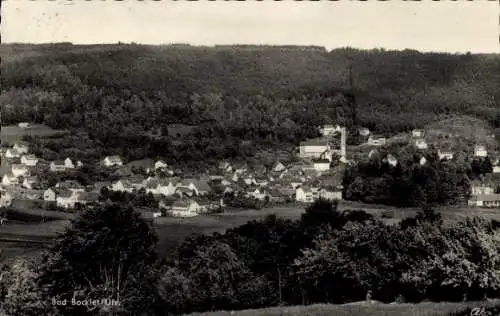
[{"x": 272, "y": 95}]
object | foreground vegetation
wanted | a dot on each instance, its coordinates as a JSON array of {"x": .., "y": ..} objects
[
  {"x": 326, "y": 256},
  {"x": 363, "y": 309}
]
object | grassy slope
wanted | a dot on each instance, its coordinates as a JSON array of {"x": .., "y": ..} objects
[
  {"x": 357, "y": 309},
  {"x": 11, "y": 134}
]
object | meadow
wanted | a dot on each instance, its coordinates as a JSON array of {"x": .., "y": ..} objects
[
  {"x": 358, "y": 309},
  {"x": 11, "y": 134},
  {"x": 172, "y": 231}
]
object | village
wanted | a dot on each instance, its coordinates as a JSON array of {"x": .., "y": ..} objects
[{"x": 316, "y": 173}]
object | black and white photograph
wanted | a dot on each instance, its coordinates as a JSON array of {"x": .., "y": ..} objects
[{"x": 250, "y": 158}]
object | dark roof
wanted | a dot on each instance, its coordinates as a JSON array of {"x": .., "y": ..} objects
[{"x": 65, "y": 194}]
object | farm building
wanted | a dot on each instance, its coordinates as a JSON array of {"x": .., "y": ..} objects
[{"x": 485, "y": 200}]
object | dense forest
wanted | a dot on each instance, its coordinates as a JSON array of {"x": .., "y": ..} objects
[
  {"x": 325, "y": 256},
  {"x": 123, "y": 99}
]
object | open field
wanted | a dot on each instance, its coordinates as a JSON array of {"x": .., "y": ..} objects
[
  {"x": 357, "y": 309},
  {"x": 172, "y": 231},
  {"x": 13, "y": 133}
]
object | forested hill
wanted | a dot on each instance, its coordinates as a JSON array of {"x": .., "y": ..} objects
[{"x": 249, "y": 90}]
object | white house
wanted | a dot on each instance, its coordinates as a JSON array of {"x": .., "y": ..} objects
[
  {"x": 5, "y": 199},
  {"x": 328, "y": 130},
  {"x": 479, "y": 187},
  {"x": 420, "y": 143},
  {"x": 24, "y": 125},
  {"x": 29, "y": 160},
  {"x": 256, "y": 193},
  {"x": 391, "y": 160},
  {"x": 57, "y": 165},
  {"x": 279, "y": 167},
  {"x": 418, "y": 133},
  {"x": 364, "y": 132},
  {"x": 330, "y": 194},
  {"x": 19, "y": 170},
  {"x": 496, "y": 169},
  {"x": 313, "y": 148},
  {"x": 111, "y": 161},
  {"x": 445, "y": 154},
  {"x": 122, "y": 186},
  {"x": 164, "y": 187},
  {"x": 49, "y": 195},
  {"x": 66, "y": 199},
  {"x": 86, "y": 197},
  {"x": 487, "y": 200},
  {"x": 480, "y": 151},
  {"x": 12, "y": 153},
  {"x": 423, "y": 161},
  {"x": 185, "y": 208},
  {"x": 321, "y": 165},
  {"x": 249, "y": 180},
  {"x": 30, "y": 182},
  {"x": 21, "y": 148},
  {"x": 9, "y": 179},
  {"x": 160, "y": 164},
  {"x": 69, "y": 164},
  {"x": 376, "y": 140},
  {"x": 306, "y": 194}
]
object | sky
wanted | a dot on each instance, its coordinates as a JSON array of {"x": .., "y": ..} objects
[{"x": 443, "y": 26}]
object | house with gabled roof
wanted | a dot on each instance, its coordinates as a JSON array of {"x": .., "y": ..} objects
[
  {"x": 420, "y": 143},
  {"x": 321, "y": 164},
  {"x": 160, "y": 164},
  {"x": 122, "y": 186},
  {"x": 57, "y": 166},
  {"x": 480, "y": 151},
  {"x": 306, "y": 194},
  {"x": 256, "y": 193},
  {"x": 21, "y": 147},
  {"x": 87, "y": 197},
  {"x": 12, "y": 153},
  {"x": 19, "y": 170},
  {"x": 111, "y": 161},
  {"x": 329, "y": 129},
  {"x": 279, "y": 167},
  {"x": 418, "y": 133},
  {"x": 313, "y": 148},
  {"x": 9, "y": 179},
  {"x": 66, "y": 199},
  {"x": 184, "y": 192},
  {"x": 30, "y": 182},
  {"x": 68, "y": 163},
  {"x": 184, "y": 208},
  {"x": 49, "y": 195},
  {"x": 391, "y": 160},
  {"x": 29, "y": 160}
]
